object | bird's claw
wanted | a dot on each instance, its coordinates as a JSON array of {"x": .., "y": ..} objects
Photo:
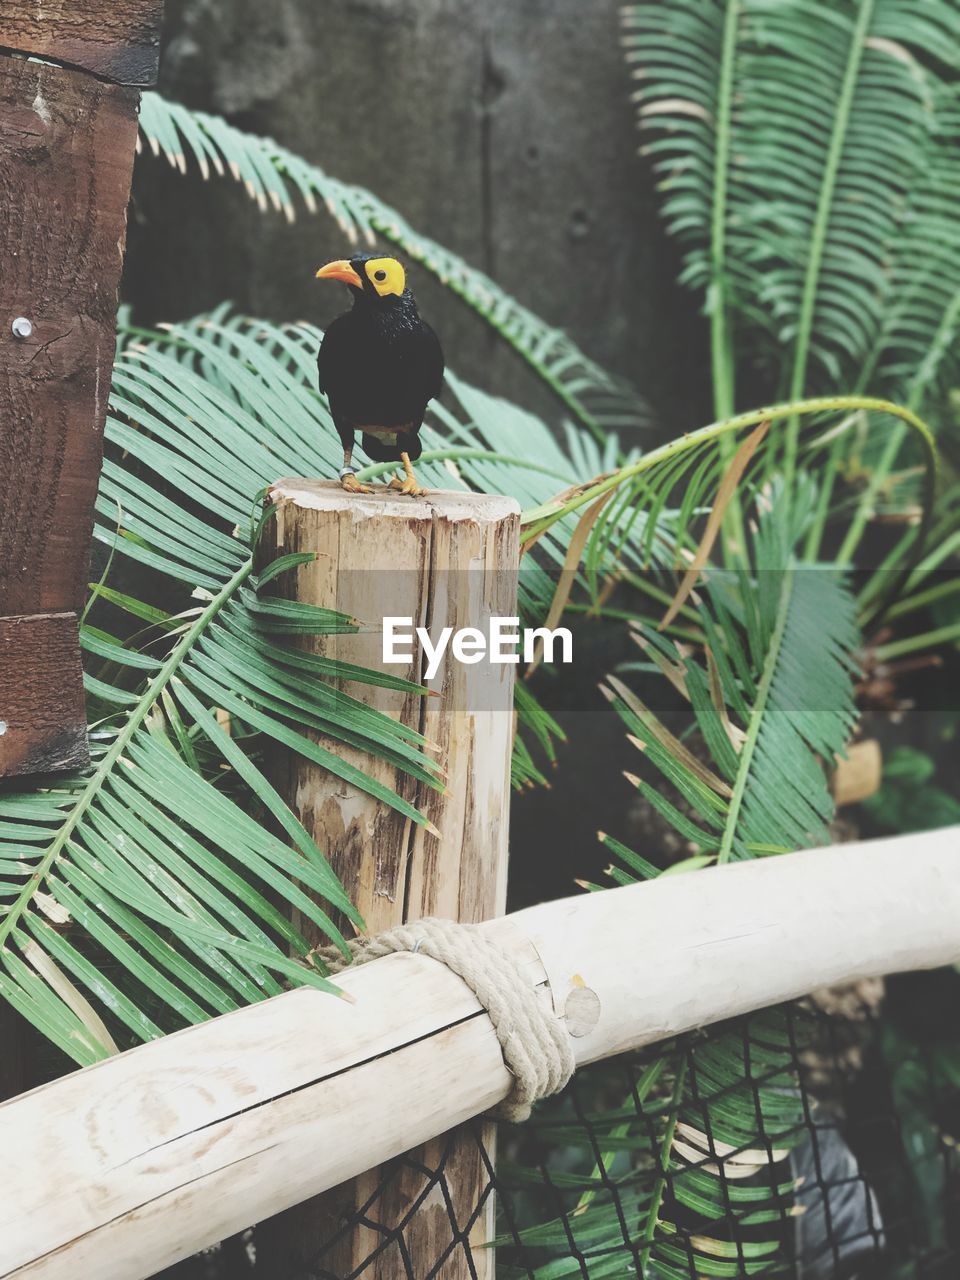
[
  {"x": 408, "y": 486},
  {"x": 353, "y": 485}
]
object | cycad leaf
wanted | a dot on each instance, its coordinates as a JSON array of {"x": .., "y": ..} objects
[
  {"x": 802, "y": 717},
  {"x": 791, "y": 192},
  {"x": 772, "y": 701},
  {"x": 916, "y": 353},
  {"x": 800, "y": 713},
  {"x": 175, "y": 890}
]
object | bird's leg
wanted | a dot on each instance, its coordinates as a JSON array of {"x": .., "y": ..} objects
[
  {"x": 348, "y": 476},
  {"x": 409, "y": 485}
]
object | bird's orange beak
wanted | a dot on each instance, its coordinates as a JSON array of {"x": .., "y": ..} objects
[{"x": 340, "y": 270}]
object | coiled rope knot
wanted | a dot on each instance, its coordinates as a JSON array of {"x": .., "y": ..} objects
[{"x": 536, "y": 1045}]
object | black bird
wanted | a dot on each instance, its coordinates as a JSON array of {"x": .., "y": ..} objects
[{"x": 380, "y": 365}]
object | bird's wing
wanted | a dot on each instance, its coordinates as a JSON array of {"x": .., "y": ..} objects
[
  {"x": 333, "y": 353},
  {"x": 433, "y": 364}
]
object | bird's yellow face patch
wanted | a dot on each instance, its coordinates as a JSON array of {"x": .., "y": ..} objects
[{"x": 386, "y": 275}]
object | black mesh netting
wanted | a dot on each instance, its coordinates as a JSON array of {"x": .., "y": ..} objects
[{"x": 814, "y": 1141}]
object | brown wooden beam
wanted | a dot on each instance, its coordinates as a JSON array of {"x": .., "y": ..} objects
[
  {"x": 118, "y": 40},
  {"x": 43, "y": 726},
  {"x": 67, "y": 141},
  {"x": 66, "y": 153}
]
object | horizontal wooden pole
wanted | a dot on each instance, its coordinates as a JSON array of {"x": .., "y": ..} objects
[{"x": 124, "y": 1167}]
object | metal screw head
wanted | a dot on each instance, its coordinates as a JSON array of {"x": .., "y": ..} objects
[{"x": 22, "y": 327}]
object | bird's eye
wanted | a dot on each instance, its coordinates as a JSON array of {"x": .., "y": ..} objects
[{"x": 379, "y": 275}]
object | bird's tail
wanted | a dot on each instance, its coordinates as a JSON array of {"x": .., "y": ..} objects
[
  {"x": 383, "y": 448},
  {"x": 380, "y": 448}
]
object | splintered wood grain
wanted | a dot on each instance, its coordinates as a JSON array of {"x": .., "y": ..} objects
[
  {"x": 369, "y": 563},
  {"x": 447, "y": 559},
  {"x": 473, "y": 577},
  {"x": 116, "y": 39},
  {"x": 42, "y": 722},
  {"x": 66, "y": 154}
]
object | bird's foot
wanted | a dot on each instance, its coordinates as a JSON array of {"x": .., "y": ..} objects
[
  {"x": 349, "y": 481},
  {"x": 408, "y": 486}
]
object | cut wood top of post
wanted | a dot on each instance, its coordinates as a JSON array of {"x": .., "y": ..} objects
[{"x": 386, "y": 504}]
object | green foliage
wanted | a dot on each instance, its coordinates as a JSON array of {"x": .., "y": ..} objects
[
  {"x": 799, "y": 148},
  {"x": 274, "y": 176},
  {"x": 924, "y": 1074},
  {"x": 177, "y": 889},
  {"x": 687, "y": 472},
  {"x": 779, "y": 631},
  {"x": 161, "y": 855},
  {"x": 909, "y": 798},
  {"x": 806, "y": 155},
  {"x": 685, "y": 1135},
  {"x": 916, "y": 351},
  {"x": 771, "y": 701}
]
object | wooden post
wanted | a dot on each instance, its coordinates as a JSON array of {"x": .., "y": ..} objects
[
  {"x": 67, "y": 140},
  {"x": 449, "y": 559}
]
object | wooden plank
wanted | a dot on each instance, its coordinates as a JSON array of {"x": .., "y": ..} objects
[
  {"x": 173, "y": 1145},
  {"x": 118, "y": 40},
  {"x": 66, "y": 156},
  {"x": 448, "y": 559},
  {"x": 43, "y": 726}
]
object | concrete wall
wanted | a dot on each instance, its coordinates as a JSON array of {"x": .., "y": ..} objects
[{"x": 501, "y": 128}]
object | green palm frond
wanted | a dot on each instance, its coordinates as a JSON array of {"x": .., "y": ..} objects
[
  {"x": 172, "y": 886},
  {"x": 148, "y": 893},
  {"x": 686, "y": 472},
  {"x": 275, "y": 177},
  {"x": 690, "y": 1173},
  {"x": 787, "y": 136},
  {"x": 772, "y": 702},
  {"x": 916, "y": 354}
]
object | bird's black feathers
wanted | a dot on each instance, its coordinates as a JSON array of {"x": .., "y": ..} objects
[
  {"x": 388, "y": 448},
  {"x": 380, "y": 364}
]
